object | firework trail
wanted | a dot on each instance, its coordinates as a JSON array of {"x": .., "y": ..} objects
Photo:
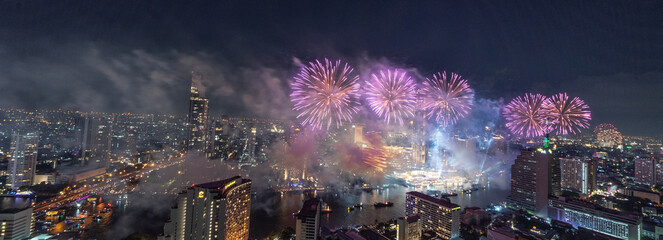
[
  {"x": 528, "y": 115},
  {"x": 604, "y": 126},
  {"x": 392, "y": 95},
  {"x": 325, "y": 93},
  {"x": 568, "y": 116},
  {"x": 447, "y": 98}
]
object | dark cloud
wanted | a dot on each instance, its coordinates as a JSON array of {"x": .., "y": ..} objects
[{"x": 136, "y": 56}]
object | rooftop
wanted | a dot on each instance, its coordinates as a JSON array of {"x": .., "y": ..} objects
[
  {"x": 437, "y": 201},
  {"x": 310, "y": 208}
]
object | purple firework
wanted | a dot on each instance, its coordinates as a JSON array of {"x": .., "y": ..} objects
[
  {"x": 528, "y": 115},
  {"x": 447, "y": 98},
  {"x": 325, "y": 93},
  {"x": 568, "y": 116},
  {"x": 392, "y": 95}
]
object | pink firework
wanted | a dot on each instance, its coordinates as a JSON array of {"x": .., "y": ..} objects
[
  {"x": 527, "y": 116},
  {"x": 325, "y": 94},
  {"x": 392, "y": 95},
  {"x": 447, "y": 98},
  {"x": 568, "y": 116}
]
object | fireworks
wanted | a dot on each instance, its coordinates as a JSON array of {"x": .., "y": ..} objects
[
  {"x": 607, "y": 135},
  {"x": 391, "y": 95},
  {"x": 527, "y": 115},
  {"x": 447, "y": 99},
  {"x": 568, "y": 116},
  {"x": 375, "y": 157},
  {"x": 325, "y": 93}
]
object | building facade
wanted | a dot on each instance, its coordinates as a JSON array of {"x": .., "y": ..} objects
[
  {"x": 16, "y": 221},
  {"x": 23, "y": 161},
  {"x": 438, "y": 215},
  {"x": 617, "y": 224},
  {"x": 409, "y": 228},
  {"x": 535, "y": 175},
  {"x": 215, "y": 210},
  {"x": 645, "y": 171},
  {"x": 578, "y": 175},
  {"x": 307, "y": 226}
]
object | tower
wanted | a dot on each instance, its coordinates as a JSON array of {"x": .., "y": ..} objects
[
  {"x": 197, "y": 117},
  {"x": 308, "y": 220},
  {"x": 535, "y": 175},
  {"x": 23, "y": 161}
]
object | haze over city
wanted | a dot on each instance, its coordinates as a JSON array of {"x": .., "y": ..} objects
[{"x": 331, "y": 120}]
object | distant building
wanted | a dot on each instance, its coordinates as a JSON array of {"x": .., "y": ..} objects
[
  {"x": 645, "y": 171},
  {"x": 218, "y": 145},
  {"x": 438, "y": 215},
  {"x": 308, "y": 220},
  {"x": 15, "y": 218},
  {"x": 23, "y": 161},
  {"x": 409, "y": 228},
  {"x": 580, "y": 214},
  {"x": 535, "y": 175},
  {"x": 197, "y": 117},
  {"x": 578, "y": 175},
  {"x": 215, "y": 210}
]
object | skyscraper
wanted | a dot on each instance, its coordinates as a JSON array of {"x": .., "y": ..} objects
[
  {"x": 438, "y": 215},
  {"x": 197, "y": 118},
  {"x": 535, "y": 175},
  {"x": 23, "y": 161},
  {"x": 214, "y": 210},
  {"x": 96, "y": 134},
  {"x": 645, "y": 170},
  {"x": 308, "y": 220},
  {"x": 16, "y": 220},
  {"x": 578, "y": 175}
]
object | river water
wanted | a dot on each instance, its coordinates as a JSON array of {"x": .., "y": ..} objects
[{"x": 271, "y": 213}]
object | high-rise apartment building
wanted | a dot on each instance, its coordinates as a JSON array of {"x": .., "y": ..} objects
[
  {"x": 307, "y": 226},
  {"x": 535, "y": 175},
  {"x": 215, "y": 210},
  {"x": 437, "y": 215},
  {"x": 23, "y": 160},
  {"x": 409, "y": 228},
  {"x": 197, "y": 117},
  {"x": 578, "y": 175},
  {"x": 645, "y": 170}
]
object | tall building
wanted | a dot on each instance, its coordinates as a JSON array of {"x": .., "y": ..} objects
[
  {"x": 437, "y": 215},
  {"x": 645, "y": 171},
  {"x": 23, "y": 161},
  {"x": 197, "y": 117},
  {"x": 96, "y": 134},
  {"x": 408, "y": 228},
  {"x": 535, "y": 175},
  {"x": 214, "y": 210},
  {"x": 308, "y": 220},
  {"x": 16, "y": 221},
  {"x": 218, "y": 144},
  {"x": 578, "y": 175}
]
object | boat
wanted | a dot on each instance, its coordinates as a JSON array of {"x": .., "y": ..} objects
[
  {"x": 325, "y": 208},
  {"x": 383, "y": 204},
  {"x": 450, "y": 194}
]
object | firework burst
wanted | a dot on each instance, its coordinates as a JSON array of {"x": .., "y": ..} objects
[
  {"x": 528, "y": 115},
  {"x": 568, "y": 116},
  {"x": 325, "y": 93},
  {"x": 607, "y": 135},
  {"x": 392, "y": 95},
  {"x": 447, "y": 98}
]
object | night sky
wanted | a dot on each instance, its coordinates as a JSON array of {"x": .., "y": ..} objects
[{"x": 137, "y": 55}]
